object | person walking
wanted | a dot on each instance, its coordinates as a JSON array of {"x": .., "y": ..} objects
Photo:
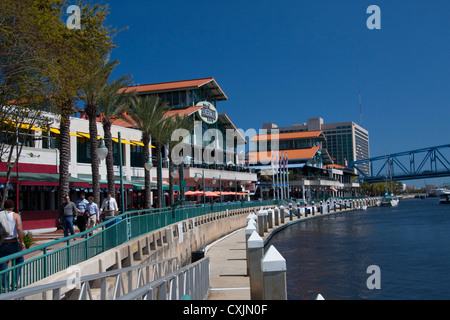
[
  {"x": 67, "y": 214},
  {"x": 13, "y": 243},
  {"x": 81, "y": 212},
  {"x": 92, "y": 213},
  {"x": 109, "y": 206}
]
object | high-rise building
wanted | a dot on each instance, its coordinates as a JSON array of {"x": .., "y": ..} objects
[{"x": 345, "y": 141}]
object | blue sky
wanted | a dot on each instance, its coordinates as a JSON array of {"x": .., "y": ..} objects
[{"x": 287, "y": 61}]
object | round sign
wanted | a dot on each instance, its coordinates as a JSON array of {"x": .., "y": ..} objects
[{"x": 208, "y": 112}]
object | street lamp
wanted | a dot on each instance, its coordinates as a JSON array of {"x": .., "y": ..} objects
[
  {"x": 196, "y": 178},
  {"x": 102, "y": 152},
  {"x": 148, "y": 166}
]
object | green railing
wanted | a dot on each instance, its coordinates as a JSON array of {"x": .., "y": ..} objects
[{"x": 59, "y": 255}]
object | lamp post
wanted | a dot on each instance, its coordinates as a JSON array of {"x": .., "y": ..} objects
[
  {"x": 148, "y": 166},
  {"x": 220, "y": 186},
  {"x": 182, "y": 182},
  {"x": 235, "y": 189},
  {"x": 203, "y": 182},
  {"x": 102, "y": 152}
]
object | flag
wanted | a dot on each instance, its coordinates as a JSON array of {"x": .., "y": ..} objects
[{"x": 280, "y": 162}]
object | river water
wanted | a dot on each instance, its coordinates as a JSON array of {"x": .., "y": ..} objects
[{"x": 330, "y": 255}]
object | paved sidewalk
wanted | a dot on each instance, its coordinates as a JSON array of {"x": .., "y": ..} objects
[{"x": 228, "y": 267}]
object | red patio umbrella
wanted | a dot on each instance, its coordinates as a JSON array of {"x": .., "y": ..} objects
[
  {"x": 211, "y": 194},
  {"x": 193, "y": 193}
]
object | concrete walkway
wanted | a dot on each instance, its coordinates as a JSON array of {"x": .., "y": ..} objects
[{"x": 228, "y": 267}]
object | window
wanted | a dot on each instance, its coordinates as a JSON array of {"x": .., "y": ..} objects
[
  {"x": 83, "y": 150},
  {"x": 50, "y": 142},
  {"x": 137, "y": 156},
  {"x": 116, "y": 155}
]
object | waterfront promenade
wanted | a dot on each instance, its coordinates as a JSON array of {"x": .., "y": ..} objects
[{"x": 228, "y": 266}]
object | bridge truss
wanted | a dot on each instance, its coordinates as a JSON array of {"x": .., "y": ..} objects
[{"x": 432, "y": 162}]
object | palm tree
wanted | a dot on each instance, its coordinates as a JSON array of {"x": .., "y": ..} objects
[
  {"x": 91, "y": 94},
  {"x": 147, "y": 115},
  {"x": 111, "y": 102},
  {"x": 171, "y": 124}
]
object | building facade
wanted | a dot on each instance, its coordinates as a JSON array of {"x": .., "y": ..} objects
[
  {"x": 34, "y": 182},
  {"x": 312, "y": 173},
  {"x": 345, "y": 141}
]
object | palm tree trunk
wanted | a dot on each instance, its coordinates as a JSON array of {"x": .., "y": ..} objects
[
  {"x": 109, "y": 159},
  {"x": 171, "y": 167},
  {"x": 159, "y": 191},
  {"x": 94, "y": 159},
  {"x": 64, "y": 150},
  {"x": 148, "y": 183}
]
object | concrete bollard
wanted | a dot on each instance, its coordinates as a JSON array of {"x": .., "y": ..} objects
[
  {"x": 266, "y": 221},
  {"x": 282, "y": 214},
  {"x": 277, "y": 216},
  {"x": 248, "y": 232},
  {"x": 253, "y": 222},
  {"x": 255, "y": 254},
  {"x": 274, "y": 274},
  {"x": 261, "y": 223},
  {"x": 299, "y": 213},
  {"x": 270, "y": 218}
]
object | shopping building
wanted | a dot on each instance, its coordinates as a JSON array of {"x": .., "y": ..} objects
[
  {"x": 313, "y": 173},
  {"x": 34, "y": 183},
  {"x": 345, "y": 141}
]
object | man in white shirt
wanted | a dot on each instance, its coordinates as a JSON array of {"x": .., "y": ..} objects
[{"x": 109, "y": 206}]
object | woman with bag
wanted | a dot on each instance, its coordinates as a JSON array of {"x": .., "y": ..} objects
[{"x": 13, "y": 243}]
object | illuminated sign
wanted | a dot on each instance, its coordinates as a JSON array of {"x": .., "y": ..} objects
[{"x": 208, "y": 112}]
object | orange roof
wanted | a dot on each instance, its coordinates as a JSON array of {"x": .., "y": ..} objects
[
  {"x": 122, "y": 123},
  {"x": 288, "y": 135},
  {"x": 177, "y": 85},
  {"x": 223, "y": 117},
  {"x": 118, "y": 121},
  {"x": 183, "y": 112},
  {"x": 296, "y": 154}
]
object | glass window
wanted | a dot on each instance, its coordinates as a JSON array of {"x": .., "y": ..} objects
[
  {"x": 137, "y": 156},
  {"x": 116, "y": 155},
  {"x": 83, "y": 150},
  {"x": 176, "y": 99}
]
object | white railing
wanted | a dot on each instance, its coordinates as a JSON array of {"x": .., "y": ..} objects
[
  {"x": 191, "y": 281},
  {"x": 110, "y": 285}
]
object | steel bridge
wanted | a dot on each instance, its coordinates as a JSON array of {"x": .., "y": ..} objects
[{"x": 431, "y": 162}]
